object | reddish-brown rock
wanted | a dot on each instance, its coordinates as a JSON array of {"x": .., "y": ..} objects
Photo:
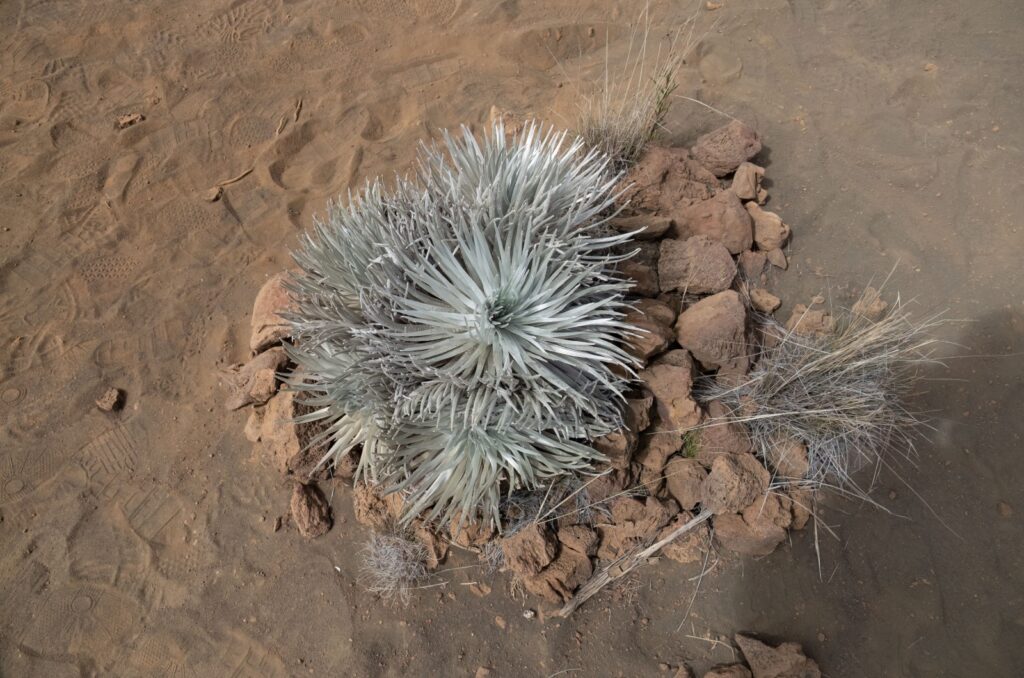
[
  {"x": 777, "y": 258},
  {"x": 268, "y": 327},
  {"x": 808, "y": 322},
  {"x": 671, "y": 386},
  {"x": 634, "y": 523},
  {"x": 617, "y": 447},
  {"x": 310, "y": 511},
  {"x": 653, "y": 319},
  {"x": 720, "y": 436},
  {"x": 697, "y": 265},
  {"x": 255, "y": 382},
  {"x": 689, "y": 547},
  {"x": 746, "y": 183},
  {"x": 665, "y": 179},
  {"x": 763, "y": 300},
  {"x": 801, "y": 504},
  {"x": 113, "y": 398},
  {"x": 529, "y": 550},
  {"x": 734, "y": 482},
  {"x": 643, "y": 276},
  {"x": 637, "y": 414},
  {"x": 770, "y": 233},
  {"x": 752, "y": 265},
  {"x": 559, "y": 580},
  {"x": 722, "y": 150},
  {"x": 437, "y": 548},
  {"x": 785, "y": 661},
  {"x": 579, "y": 538},
  {"x": 721, "y": 218},
  {"x": 609, "y": 484},
  {"x": 714, "y": 330},
  {"x": 870, "y": 305},
  {"x": 789, "y": 459},
  {"x": 759, "y": 529},
  {"x": 684, "y": 477}
]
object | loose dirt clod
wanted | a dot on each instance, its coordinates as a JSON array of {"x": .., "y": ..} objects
[{"x": 764, "y": 301}]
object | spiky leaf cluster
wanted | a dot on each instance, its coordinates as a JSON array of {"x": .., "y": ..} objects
[{"x": 463, "y": 327}]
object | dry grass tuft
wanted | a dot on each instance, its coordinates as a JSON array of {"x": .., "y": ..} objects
[
  {"x": 843, "y": 394},
  {"x": 629, "y": 108},
  {"x": 393, "y": 565}
]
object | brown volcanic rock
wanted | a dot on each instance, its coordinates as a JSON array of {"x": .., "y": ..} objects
[
  {"x": 566, "y": 573},
  {"x": 671, "y": 386},
  {"x": 759, "y": 529},
  {"x": 310, "y": 511},
  {"x": 714, "y": 330},
  {"x": 642, "y": 226},
  {"x": 723, "y": 150},
  {"x": 746, "y": 183},
  {"x": 810, "y": 323},
  {"x": 721, "y": 217},
  {"x": 665, "y": 179},
  {"x": 789, "y": 458},
  {"x": 255, "y": 382},
  {"x": 268, "y": 327},
  {"x": 728, "y": 671},
  {"x": 634, "y": 522},
  {"x": 654, "y": 320},
  {"x": 785, "y": 661},
  {"x": 684, "y": 478},
  {"x": 529, "y": 550},
  {"x": 697, "y": 265},
  {"x": 734, "y": 482},
  {"x": 770, "y": 233},
  {"x": 690, "y": 546}
]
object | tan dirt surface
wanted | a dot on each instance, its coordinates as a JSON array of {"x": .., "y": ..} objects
[{"x": 157, "y": 160}]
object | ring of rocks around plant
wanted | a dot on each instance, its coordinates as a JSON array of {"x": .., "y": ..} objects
[{"x": 706, "y": 247}]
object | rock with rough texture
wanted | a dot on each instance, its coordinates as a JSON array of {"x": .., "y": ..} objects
[
  {"x": 254, "y": 425},
  {"x": 721, "y": 436},
  {"x": 255, "y": 382},
  {"x": 113, "y": 398},
  {"x": 734, "y": 482},
  {"x": 684, "y": 477},
  {"x": 642, "y": 226},
  {"x": 723, "y": 150},
  {"x": 559, "y": 580},
  {"x": 653, "y": 319},
  {"x": 310, "y": 511},
  {"x": 610, "y": 483},
  {"x": 664, "y": 179},
  {"x": 870, "y": 305},
  {"x": 729, "y": 671},
  {"x": 759, "y": 529},
  {"x": 634, "y": 522},
  {"x": 763, "y": 300},
  {"x": 689, "y": 547},
  {"x": 529, "y": 550},
  {"x": 789, "y": 459},
  {"x": 617, "y": 447},
  {"x": 746, "y": 183},
  {"x": 643, "y": 276},
  {"x": 678, "y": 357},
  {"x": 777, "y": 258},
  {"x": 801, "y": 503},
  {"x": 278, "y": 431},
  {"x": 714, "y": 330},
  {"x": 785, "y": 661},
  {"x": 268, "y": 327},
  {"x": 697, "y": 265},
  {"x": 637, "y": 414},
  {"x": 671, "y": 386},
  {"x": 752, "y": 265},
  {"x": 578, "y": 538},
  {"x": 721, "y": 218},
  {"x": 807, "y": 322},
  {"x": 770, "y": 233},
  {"x": 659, "y": 443}
]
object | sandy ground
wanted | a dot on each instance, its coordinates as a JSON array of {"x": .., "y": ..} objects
[{"x": 142, "y": 544}]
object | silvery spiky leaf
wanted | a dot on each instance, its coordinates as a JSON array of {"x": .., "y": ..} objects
[{"x": 464, "y": 328}]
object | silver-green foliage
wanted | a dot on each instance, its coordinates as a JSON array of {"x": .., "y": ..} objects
[{"x": 465, "y": 327}]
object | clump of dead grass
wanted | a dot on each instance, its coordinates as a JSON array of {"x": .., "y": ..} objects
[
  {"x": 393, "y": 565},
  {"x": 628, "y": 108},
  {"x": 843, "y": 393}
]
